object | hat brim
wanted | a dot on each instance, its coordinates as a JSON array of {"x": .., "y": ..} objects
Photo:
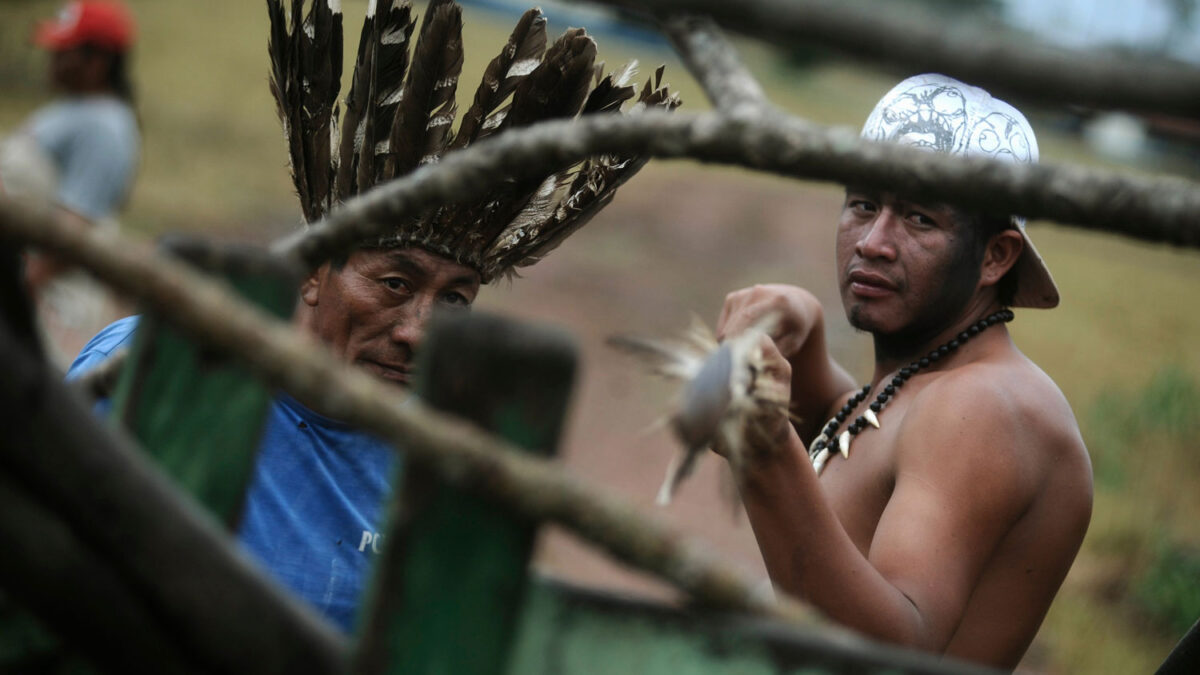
[
  {"x": 1035, "y": 286},
  {"x": 50, "y": 35}
]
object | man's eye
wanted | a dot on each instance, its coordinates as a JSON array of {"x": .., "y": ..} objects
[
  {"x": 921, "y": 219},
  {"x": 396, "y": 283},
  {"x": 861, "y": 206},
  {"x": 456, "y": 299}
]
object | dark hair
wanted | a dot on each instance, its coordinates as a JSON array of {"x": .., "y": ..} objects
[
  {"x": 118, "y": 70},
  {"x": 980, "y": 228}
]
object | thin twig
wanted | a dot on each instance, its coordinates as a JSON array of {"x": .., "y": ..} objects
[
  {"x": 715, "y": 64},
  {"x": 998, "y": 59},
  {"x": 461, "y": 454},
  {"x": 1153, "y": 208}
]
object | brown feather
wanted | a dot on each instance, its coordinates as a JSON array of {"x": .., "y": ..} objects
[
  {"x": 320, "y": 47},
  {"x": 356, "y": 108},
  {"x": 593, "y": 188},
  {"x": 610, "y": 92},
  {"x": 389, "y": 58},
  {"x": 423, "y": 120},
  {"x": 558, "y": 86},
  {"x": 514, "y": 63},
  {"x": 283, "y": 46},
  {"x": 399, "y": 111},
  {"x": 555, "y": 89}
]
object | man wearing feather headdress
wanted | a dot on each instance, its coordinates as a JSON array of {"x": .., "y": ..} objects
[
  {"x": 941, "y": 505},
  {"x": 314, "y": 507}
]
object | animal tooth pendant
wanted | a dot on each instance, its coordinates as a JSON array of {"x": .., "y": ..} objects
[
  {"x": 819, "y": 461},
  {"x": 844, "y": 444},
  {"x": 812, "y": 447},
  {"x": 870, "y": 417}
]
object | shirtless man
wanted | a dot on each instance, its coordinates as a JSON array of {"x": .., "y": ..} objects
[{"x": 950, "y": 527}]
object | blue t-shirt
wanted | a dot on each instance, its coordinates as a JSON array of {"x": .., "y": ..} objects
[
  {"x": 94, "y": 142},
  {"x": 316, "y": 502}
]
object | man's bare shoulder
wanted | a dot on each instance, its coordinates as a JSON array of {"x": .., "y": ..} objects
[{"x": 1006, "y": 419}]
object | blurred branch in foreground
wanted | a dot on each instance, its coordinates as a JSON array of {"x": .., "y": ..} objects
[
  {"x": 460, "y": 454},
  {"x": 715, "y": 64},
  {"x": 1163, "y": 209},
  {"x": 1002, "y": 61}
]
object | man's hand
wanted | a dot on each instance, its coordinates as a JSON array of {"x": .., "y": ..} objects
[
  {"x": 746, "y": 307},
  {"x": 798, "y": 338}
]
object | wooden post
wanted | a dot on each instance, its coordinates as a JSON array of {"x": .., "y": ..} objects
[
  {"x": 198, "y": 414},
  {"x": 448, "y": 587}
]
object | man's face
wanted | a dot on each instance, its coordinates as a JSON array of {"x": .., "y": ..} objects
[
  {"x": 373, "y": 311},
  {"x": 904, "y": 269},
  {"x": 78, "y": 69}
]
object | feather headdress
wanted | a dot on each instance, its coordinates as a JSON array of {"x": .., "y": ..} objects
[{"x": 401, "y": 107}]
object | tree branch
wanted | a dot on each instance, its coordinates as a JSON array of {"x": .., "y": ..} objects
[
  {"x": 461, "y": 454},
  {"x": 715, "y": 65},
  {"x": 127, "y": 526},
  {"x": 1156, "y": 209},
  {"x": 1002, "y": 60}
]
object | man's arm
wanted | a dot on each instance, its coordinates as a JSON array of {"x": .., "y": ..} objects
[
  {"x": 817, "y": 381},
  {"x": 958, "y": 491}
]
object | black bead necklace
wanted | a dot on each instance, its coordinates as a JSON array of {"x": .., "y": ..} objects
[{"x": 829, "y": 441}]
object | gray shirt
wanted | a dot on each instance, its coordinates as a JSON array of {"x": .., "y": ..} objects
[{"x": 94, "y": 143}]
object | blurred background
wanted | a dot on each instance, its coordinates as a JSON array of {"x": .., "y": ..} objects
[{"x": 1124, "y": 345}]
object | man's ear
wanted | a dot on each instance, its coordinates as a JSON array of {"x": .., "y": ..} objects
[
  {"x": 310, "y": 290},
  {"x": 1001, "y": 254}
]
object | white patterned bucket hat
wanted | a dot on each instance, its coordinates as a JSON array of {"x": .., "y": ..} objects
[{"x": 941, "y": 114}]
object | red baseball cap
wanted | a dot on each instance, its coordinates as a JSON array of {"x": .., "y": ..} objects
[{"x": 102, "y": 23}]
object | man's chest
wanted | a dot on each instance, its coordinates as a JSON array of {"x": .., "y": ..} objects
[{"x": 858, "y": 488}]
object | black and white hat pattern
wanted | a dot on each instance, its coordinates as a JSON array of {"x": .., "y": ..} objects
[{"x": 940, "y": 114}]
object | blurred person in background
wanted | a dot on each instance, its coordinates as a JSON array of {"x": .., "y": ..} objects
[{"x": 80, "y": 154}]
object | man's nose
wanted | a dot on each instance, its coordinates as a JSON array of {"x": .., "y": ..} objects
[
  {"x": 408, "y": 328},
  {"x": 877, "y": 239}
]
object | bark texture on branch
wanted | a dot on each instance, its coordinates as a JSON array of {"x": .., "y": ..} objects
[
  {"x": 1162, "y": 209},
  {"x": 128, "y": 527},
  {"x": 76, "y": 592},
  {"x": 1002, "y": 61},
  {"x": 715, "y": 64},
  {"x": 461, "y": 454}
]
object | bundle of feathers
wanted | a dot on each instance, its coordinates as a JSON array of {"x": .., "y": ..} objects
[
  {"x": 401, "y": 107},
  {"x": 724, "y": 398}
]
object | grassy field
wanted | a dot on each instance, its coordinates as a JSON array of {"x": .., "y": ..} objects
[{"x": 1123, "y": 346}]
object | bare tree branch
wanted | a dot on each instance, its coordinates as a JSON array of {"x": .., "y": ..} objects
[
  {"x": 460, "y": 453},
  {"x": 1156, "y": 209},
  {"x": 999, "y": 60},
  {"x": 75, "y": 593},
  {"x": 715, "y": 65},
  {"x": 126, "y": 525}
]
